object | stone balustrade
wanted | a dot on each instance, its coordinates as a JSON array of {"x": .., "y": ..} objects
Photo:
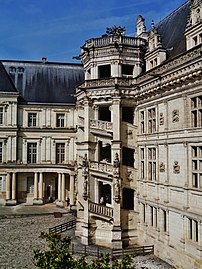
[
  {"x": 101, "y": 125},
  {"x": 110, "y": 82},
  {"x": 102, "y": 167},
  {"x": 121, "y": 39},
  {"x": 100, "y": 209}
]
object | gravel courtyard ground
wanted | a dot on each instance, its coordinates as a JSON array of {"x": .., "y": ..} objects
[{"x": 20, "y": 230}]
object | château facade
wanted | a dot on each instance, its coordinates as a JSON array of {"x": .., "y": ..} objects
[{"x": 119, "y": 136}]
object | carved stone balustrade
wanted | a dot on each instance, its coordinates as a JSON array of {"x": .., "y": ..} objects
[
  {"x": 111, "y": 82},
  {"x": 105, "y": 41},
  {"x": 102, "y": 167},
  {"x": 101, "y": 125},
  {"x": 100, "y": 209}
]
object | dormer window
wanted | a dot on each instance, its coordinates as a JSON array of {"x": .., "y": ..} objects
[{"x": 12, "y": 70}]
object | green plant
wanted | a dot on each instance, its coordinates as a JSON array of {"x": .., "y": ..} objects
[{"x": 58, "y": 256}]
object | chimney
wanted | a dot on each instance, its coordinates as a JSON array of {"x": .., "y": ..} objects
[{"x": 44, "y": 60}]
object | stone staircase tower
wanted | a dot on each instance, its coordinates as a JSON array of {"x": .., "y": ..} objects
[{"x": 106, "y": 135}]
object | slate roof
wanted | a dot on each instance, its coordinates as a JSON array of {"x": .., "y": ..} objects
[
  {"x": 47, "y": 83},
  {"x": 172, "y": 28},
  {"x": 6, "y": 85}
]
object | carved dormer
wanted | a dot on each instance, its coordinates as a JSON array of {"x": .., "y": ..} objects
[
  {"x": 155, "y": 54},
  {"x": 141, "y": 28},
  {"x": 193, "y": 31}
]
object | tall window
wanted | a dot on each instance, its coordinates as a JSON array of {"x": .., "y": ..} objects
[
  {"x": 60, "y": 152},
  {"x": 193, "y": 229},
  {"x": 1, "y": 184},
  {"x": 32, "y": 119},
  {"x": 196, "y": 111},
  {"x": 144, "y": 213},
  {"x": 1, "y": 152},
  {"x": 151, "y": 120},
  {"x": 154, "y": 216},
  {"x": 142, "y": 156},
  {"x": 196, "y": 166},
  {"x": 152, "y": 163},
  {"x": 60, "y": 120},
  {"x": 164, "y": 220},
  {"x": 31, "y": 152},
  {"x": 1, "y": 115},
  {"x": 142, "y": 122}
]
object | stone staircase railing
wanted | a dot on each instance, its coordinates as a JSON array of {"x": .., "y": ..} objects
[{"x": 100, "y": 209}]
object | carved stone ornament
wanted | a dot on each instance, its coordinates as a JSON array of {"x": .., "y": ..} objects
[
  {"x": 116, "y": 30},
  {"x": 116, "y": 166},
  {"x": 117, "y": 191},
  {"x": 176, "y": 167},
  {"x": 161, "y": 119},
  {"x": 162, "y": 167},
  {"x": 85, "y": 166},
  {"x": 175, "y": 115},
  {"x": 130, "y": 176}
]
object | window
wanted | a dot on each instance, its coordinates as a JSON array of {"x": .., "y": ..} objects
[
  {"x": 104, "y": 113},
  {"x": 60, "y": 152},
  {"x": 128, "y": 199},
  {"x": 154, "y": 217},
  {"x": 104, "y": 71},
  {"x": 151, "y": 120},
  {"x": 1, "y": 115},
  {"x": 193, "y": 230},
  {"x": 1, "y": 152},
  {"x": 144, "y": 213},
  {"x": 127, "y": 70},
  {"x": 1, "y": 184},
  {"x": 196, "y": 166},
  {"x": 30, "y": 184},
  {"x": 60, "y": 120},
  {"x": 31, "y": 152},
  {"x": 152, "y": 163},
  {"x": 32, "y": 119},
  {"x": 164, "y": 220},
  {"x": 128, "y": 156},
  {"x": 127, "y": 114},
  {"x": 142, "y": 122},
  {"x": 142, "y": 156},
  {"x": 196, "y": 111}
]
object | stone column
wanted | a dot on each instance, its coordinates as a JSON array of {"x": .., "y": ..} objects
[
  {"x": 59, "y": 187},
  {"x": 36, "y": 186},
  {"x": 8, "y": 186},
  {"x": 40, "y": 186},
  {"x": 71, "y": 196},
  {"x": 63, "y": 188},
  {"x": 14, "y": 186}
]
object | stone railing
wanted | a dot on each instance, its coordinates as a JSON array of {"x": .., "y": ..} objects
[
  {"x": 101, "y": 125},
  {"x": 109, "y": 82},
  {"x": 102, "y": 167},
  {"x": 121, "y": 39},
  {"x": 100, "y": 209}
]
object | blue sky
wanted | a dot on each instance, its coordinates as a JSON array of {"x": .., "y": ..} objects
[{"x": 57, "y": 29}]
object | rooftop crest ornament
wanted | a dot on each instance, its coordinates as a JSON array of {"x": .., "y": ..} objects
[{"x": 116, "y": 31}]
